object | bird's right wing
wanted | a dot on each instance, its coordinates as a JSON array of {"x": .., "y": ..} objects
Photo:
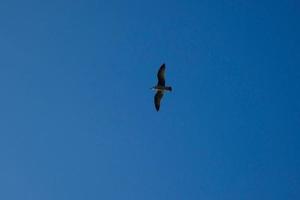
[
  {"x": 157, "y": 98},
  {"x": 161, "y": 75}
]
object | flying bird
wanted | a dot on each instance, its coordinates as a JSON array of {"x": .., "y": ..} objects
[{"x": 160, "y": 88}]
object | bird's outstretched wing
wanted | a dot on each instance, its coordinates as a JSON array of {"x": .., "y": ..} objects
[
  {"x": 158, "y": 96},
  {"x": 161, "y": 75}
]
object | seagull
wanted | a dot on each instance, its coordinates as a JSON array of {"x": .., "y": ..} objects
[{"x": 160, "y": 88}]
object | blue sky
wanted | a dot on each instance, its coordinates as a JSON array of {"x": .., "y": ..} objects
[{"x": 77, "y": 119}]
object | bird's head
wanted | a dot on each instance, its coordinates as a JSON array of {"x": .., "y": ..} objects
[{"x": 152, "y": 88}]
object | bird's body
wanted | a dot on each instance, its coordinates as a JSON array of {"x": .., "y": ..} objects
[{"x": 160, "y": 88}]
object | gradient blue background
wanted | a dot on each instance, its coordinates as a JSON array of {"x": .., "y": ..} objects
[{"x": 77, "y": 119}]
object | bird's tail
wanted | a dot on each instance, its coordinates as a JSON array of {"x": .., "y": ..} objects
[{"x": 169, "y": 89}]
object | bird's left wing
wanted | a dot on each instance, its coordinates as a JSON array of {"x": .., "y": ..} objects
[{"x": 157, "y": 98}]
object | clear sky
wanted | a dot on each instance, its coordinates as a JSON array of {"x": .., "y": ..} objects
[{"x": 77, "y": 119}]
